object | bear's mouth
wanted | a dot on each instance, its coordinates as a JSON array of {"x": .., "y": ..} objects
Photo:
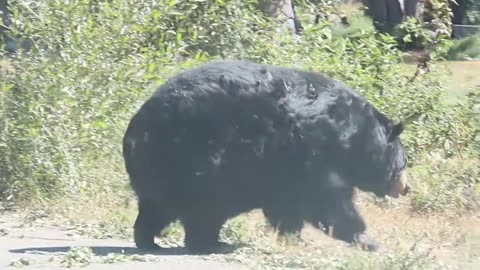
[{"x": 400, "y": 186}]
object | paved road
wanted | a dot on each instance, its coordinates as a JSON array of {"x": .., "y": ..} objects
[{"x": 44, "y": 247}]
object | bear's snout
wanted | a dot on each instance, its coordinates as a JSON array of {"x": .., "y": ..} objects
[
  {"x": 400, "y": 187},
  {"x": 406, "y": 190}
]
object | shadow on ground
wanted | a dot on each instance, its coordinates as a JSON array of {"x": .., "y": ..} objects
[{"x": 105, "y": 250}]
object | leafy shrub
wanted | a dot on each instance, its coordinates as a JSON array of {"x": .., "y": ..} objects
[
  {"x": 443, "y": 185},
  {"x": 473, "y": 105},
  {"x": 356, "y": 25},
  {"x": 67, "y": 102},
  {"x": 473, "y": 12}
]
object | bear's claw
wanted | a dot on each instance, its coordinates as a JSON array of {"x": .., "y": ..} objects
[{"x": 366, "y": 242}]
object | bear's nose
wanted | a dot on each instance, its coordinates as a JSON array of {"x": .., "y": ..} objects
[{"x": 407, "y": 189}]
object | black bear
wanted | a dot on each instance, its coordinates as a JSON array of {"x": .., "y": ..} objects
[{"x": 228, "y": 137}]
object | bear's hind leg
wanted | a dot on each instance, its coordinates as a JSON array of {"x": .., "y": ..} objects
[
  {"x": 202, "y": 229},
  {"x": 150, "y": 222}
]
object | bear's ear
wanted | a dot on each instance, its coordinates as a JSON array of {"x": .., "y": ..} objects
[{"x": 396, "y": 131}]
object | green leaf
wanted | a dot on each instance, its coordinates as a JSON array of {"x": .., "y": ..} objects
[
  {"x": 7, "y": 87},
  {"x": 151, "y": 67}
]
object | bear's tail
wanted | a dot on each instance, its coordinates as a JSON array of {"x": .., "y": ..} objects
[{"x": 135, "y": 145}]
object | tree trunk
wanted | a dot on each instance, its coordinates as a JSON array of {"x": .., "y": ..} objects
[
  {"x": 4, "y": 20},
  {"x": 414, "y": 8},
  {"x": 410, "y": 8},
  {"x": 3, "y": 9},
  {"x": 459, "y": 11},
  {"x": 282, "y": 8},
  {"x": 386, "y": 14}
]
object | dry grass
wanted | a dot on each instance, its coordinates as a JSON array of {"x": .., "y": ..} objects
[
  {"x": 459, "y": 76},
  {"x": 448, "y": 238}
]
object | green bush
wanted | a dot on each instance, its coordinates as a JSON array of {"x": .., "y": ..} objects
[
  {"x": 356, "y": 24},
  {"x": 464, "y": 49},
  {"x": 446, "y": 185},
  {"x": 65, "y": 104},
  {"x": 473, "y": 12},
  {"x": 473, "y": 113}
]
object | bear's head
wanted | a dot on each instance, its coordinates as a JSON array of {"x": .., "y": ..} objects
[{"x": 381, "y": 161}]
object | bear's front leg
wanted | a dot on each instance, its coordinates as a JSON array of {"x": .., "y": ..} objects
[{"x": 345, "y": 223}]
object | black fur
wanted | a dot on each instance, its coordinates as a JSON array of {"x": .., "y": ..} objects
[{"x": 231, "y": 136}]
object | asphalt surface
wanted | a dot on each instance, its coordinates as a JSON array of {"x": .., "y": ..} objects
[{"x": 46, "y": 247}]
